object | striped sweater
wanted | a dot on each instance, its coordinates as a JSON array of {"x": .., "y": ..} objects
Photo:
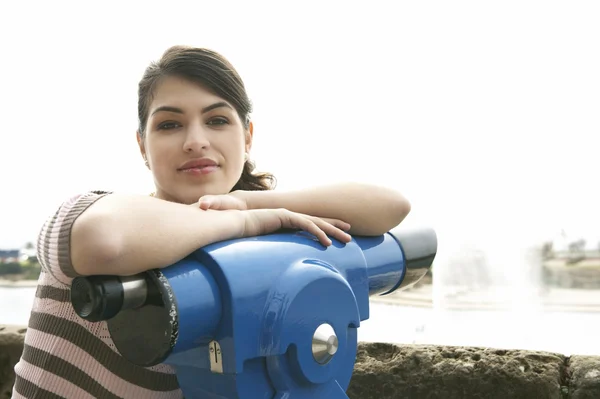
[{"x": 65, "y": 356}]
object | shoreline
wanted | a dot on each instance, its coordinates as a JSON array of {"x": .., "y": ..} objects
[
  {"x": 560, "y": 300},
  {"x": 555, "y": 300},
  {"x": 18, "y": 283}
]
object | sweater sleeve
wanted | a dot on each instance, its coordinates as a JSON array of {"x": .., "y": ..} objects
[{"x": 54, "y": 240}]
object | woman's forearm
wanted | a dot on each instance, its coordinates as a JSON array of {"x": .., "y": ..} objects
[
  {"x": 128, "y": 234},
  {"x": 370, "y": 210}
]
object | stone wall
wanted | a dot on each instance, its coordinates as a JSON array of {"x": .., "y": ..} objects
[
  {"x": 11, "y": 346},
  {"x": 385, "y": 371}
]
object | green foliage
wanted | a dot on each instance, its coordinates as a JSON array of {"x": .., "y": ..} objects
[
  {"x": 26, "y": 270},
  {"x": 10, "y": 268},
  {"x": 31, "y": 270}
]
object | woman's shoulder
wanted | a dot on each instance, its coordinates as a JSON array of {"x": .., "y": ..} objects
[
  {"x": 87, "y": 194},
  {"x": 70, "y": 207},
  {"x": 54, "y": 238}
]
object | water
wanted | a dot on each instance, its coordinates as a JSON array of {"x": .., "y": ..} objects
[
  {"x": 17, "y": 304},
  {"x": 506, "y": 279},
  {"x": 566, "y": 333}
]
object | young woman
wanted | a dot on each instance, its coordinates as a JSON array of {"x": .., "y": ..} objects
[{"x": 195, "y": 136}]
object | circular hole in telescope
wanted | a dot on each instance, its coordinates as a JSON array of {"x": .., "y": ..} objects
[{"x": 82, "y": 298}]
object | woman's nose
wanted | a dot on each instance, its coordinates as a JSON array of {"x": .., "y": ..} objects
[{"x": 196, "y": 140}]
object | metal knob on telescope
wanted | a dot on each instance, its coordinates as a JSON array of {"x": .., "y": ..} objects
[{"x": 97, "y": 298}]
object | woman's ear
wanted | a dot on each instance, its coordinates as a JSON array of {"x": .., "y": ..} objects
[
  {"x": 249, "y": 137},
  {"x": 140, "y": 142}
]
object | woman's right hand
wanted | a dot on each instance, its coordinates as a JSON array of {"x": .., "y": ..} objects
[{"x": 265, "y": 221}]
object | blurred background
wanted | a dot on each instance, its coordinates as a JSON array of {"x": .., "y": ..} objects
[{"x": 484, "y": 114}]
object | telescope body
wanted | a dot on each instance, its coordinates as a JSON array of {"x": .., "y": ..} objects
[{"x": 271, "y": 317}]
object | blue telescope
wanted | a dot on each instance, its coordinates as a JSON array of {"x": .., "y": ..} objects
[{"x": 273, "y": 316}]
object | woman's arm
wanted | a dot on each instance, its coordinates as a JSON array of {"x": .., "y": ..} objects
[
  {"x": 370, "y": 210},
  {"x": 127, "y": 234}
]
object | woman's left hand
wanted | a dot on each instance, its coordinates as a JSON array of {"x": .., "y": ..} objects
[
  {"x": 238, "y": 200},
  {"x": 231, "y": 201}
]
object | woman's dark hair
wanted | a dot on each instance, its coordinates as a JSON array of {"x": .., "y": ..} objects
[{"x": 216, "y": 74}]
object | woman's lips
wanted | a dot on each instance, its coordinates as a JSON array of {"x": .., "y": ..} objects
[{"x": 200, "y": 170}]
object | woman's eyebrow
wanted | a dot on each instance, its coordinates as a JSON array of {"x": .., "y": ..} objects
[
  {"x": 169, "y": 108},
  {"x": 216, "y": 105}
]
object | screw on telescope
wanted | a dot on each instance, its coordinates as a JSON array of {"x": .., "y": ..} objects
[{"x": 324, "y": 343}]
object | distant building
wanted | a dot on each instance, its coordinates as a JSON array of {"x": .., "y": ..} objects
[
  {"x": 9, "y": 255},
  {"x": 18, "y": 255},
  {"x": 28, "y": 252},
  {"x": 565, "y": 250},
  {"x": 576, "y": 253}
]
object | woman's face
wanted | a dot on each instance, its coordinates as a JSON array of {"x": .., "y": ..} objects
[{"x": 194, "y": 142}]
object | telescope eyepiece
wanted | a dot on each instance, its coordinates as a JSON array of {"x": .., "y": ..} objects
[{"x": 97, "y": 298}]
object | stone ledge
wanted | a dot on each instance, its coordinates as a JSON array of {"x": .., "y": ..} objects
[
  {"x": 385, "y": 371},
  {"x": 443, "y": 372},
  {"x": 11, "y": 346}
]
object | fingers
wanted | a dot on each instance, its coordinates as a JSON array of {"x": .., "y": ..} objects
[
  {"x": 338, "y": 223},
  {"x": 206, "y": 202},
  {"x": 216, "y": 202},
  {"x": 335, "y": 230},
  {"x": 322, "y": 229},
  {"x": 292, "y": 220},
  {"x": 221, "y": 202},
  {"x": 318, "y": 232}
]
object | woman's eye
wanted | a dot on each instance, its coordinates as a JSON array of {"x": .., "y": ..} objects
[
  {"x": 168, "y": 125},
  {"x": 218, "y": 121}
]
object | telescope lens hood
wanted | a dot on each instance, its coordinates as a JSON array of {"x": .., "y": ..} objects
[{"x": 420, "y": 248}]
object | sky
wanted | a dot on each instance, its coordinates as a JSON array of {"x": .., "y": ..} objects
[{"x": 484, "y": 114}]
